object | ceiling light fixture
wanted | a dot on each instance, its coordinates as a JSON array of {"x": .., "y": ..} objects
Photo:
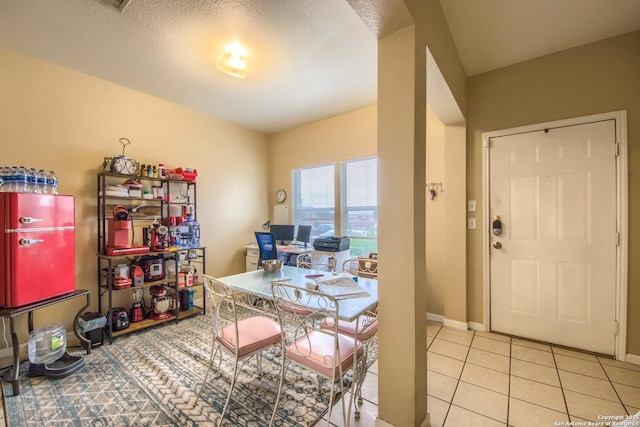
[{"x": 233, "y": 61}]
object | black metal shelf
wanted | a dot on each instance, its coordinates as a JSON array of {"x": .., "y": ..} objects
[{"x": 106, "y": 289}]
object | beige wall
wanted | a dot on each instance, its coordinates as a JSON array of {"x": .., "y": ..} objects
[
  {"x": 344, "y": 137},
  {"x": 435, "y": 216},
  {"x": 446, "y": 221},
  {"x": 595, "y": 78},
  {"x": 454, "y": 240},
  {"x": 56, "y": 118}
]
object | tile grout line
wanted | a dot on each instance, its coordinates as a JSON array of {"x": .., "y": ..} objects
[
  {"x": 509, "y": 386},
  {"x": 612, "y": 386},
  {"x": 444, "y": 421},
  {"x": 555, "y": 362},
  {"x": 458, "y": 383}
]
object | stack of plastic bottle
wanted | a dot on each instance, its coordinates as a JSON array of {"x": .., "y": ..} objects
[{"x": 22, "y": 180}]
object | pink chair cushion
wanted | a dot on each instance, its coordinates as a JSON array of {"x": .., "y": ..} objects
[
  {"x": 367, "y": 327},
  {"x": 254, "y": 333},
  {"x": 316, "y": 350}
]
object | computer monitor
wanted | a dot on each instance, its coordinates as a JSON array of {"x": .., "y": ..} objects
[
  {"x": 304, "y": 234},
  {"x": 283, "y": 232}
]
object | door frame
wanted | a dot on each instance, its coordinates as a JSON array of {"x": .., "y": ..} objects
[{"x": 622, "y": 177}]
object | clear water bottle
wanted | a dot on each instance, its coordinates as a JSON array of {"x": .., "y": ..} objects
[
  {"x": 52, "y": 183},
  {"x": 32, "y": 177},
  {"x": 41, "y": 182},
  {"x": 3, "y": 179},
  {"x": 11, "y": 179},
  {"x": 22, "y": 180}
]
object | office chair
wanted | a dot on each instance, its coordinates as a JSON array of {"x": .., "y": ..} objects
[{"x": 267, "y": 245}]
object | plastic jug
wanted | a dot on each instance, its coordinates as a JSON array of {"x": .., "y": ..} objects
[
  {"x": 189, "y": 231},
  {"x": 194, "y": 241},
  {"x": 47, "y": 344}
]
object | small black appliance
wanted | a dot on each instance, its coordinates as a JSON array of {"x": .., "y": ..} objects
[{"x": 119, "y": 319}]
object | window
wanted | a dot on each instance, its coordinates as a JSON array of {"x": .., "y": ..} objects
[
  {"x": 360, "y": 204},
  {"x": 314, "y": 199}
]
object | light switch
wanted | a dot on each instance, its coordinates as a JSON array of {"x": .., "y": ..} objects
[
  {"x": 471, "y": 206},
  {"x": 471, "y": 223}
]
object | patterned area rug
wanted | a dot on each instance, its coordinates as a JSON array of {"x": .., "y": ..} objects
[{"x": 151, "y": 378}]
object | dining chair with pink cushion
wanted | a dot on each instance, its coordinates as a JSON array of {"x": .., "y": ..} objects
[
  {"x": 322, "y": 350},
  {"x": 239, "y": 328},
  {"x": 365, "y": 328}
]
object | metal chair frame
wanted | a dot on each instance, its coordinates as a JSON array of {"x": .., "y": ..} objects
[
  {"x": 305, "y": 343},
  {"x": 361, "y": 267},
  {"x": 242, "y": 337},
  {"x": 306, "y": 261}
]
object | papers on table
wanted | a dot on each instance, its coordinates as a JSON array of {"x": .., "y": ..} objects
[{"x": 341, "y": 287}]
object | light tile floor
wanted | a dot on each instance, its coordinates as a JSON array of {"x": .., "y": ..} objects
[{"x": 484, "y": 379}]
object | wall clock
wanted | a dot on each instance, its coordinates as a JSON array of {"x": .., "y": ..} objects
[{"x": 281, "y": 195}]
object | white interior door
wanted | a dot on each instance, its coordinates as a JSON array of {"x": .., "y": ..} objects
[{"x": 554, "y": 277}]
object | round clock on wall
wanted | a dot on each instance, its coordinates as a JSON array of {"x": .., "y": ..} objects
[{"x": 281, "y": 195}]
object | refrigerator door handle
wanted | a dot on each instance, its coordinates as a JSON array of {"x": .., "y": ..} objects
[
  {"x": 25, "y": 242},
  {"x": 30, "y": 220}
]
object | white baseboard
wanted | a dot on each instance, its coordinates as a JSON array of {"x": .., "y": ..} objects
[
  {"x": 632, "y": 358},
  {"x": 435, "y": 317},
  {"x": 476, "y": 326},
  {"x": 455, "y": 324}
]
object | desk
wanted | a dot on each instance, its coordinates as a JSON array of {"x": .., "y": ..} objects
[
  {"x": 289, "y": 252},
  {"x": 12, "y": 313}
]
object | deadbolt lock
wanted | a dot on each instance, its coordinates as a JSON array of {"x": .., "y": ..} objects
[{"x": 496, "y": 226}]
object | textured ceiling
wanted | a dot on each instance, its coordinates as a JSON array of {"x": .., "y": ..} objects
[
  {"x": 491, "y": 34},
  {"x": 308, "y": 59}
]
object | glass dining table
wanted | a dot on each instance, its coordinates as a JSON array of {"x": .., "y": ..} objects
[{"x": 258, "y": 283}]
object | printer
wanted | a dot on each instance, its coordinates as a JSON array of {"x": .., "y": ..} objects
[{"x": 331, "y": 244}]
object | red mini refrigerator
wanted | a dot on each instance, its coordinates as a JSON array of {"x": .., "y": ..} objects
[{"x": 38, "y": 247}]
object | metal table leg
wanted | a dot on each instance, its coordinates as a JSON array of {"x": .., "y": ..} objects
[
  {"x": 76, "y": 327},
  {"x": 16, "y": 357}
]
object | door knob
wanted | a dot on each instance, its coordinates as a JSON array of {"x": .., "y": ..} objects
[{"x": 497, "y": 245}]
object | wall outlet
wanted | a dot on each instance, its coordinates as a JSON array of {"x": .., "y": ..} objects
[{"x": 471, "y": 223}]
